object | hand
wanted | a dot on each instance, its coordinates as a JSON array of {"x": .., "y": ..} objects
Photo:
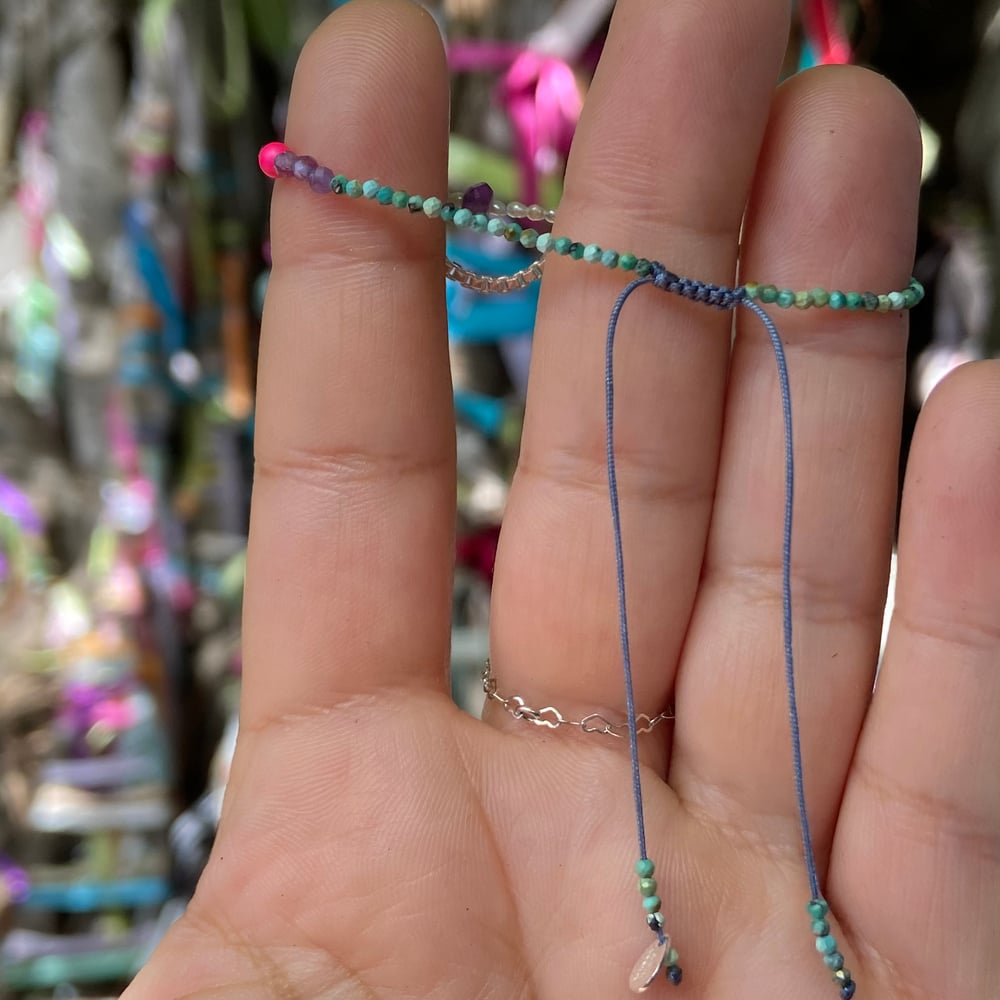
[{"x": 378, "y": 843}]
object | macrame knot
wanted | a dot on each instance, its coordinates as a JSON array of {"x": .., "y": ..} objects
[{"x": 718, "y": 296}]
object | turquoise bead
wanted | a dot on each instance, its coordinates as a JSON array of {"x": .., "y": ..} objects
[
  {"x": 370, "y": 189},
  {"x": 834, "y": 961},
  {"x": 803, "y": 300},
  {"x": 820, "y": 928},
  {"x": 353, "y": 189},
  {"x": 512, "y": 232},
  {"x": 645, "y": 868},
  {"x": 652, "y": 904},
  {"x": 384, "y": 195},
  {"x": 897, "y": 300},
  {"x": 496, "y": 226},
  {"x": 480, "y": 223},
  {"x": 820, "y": 297},
  {"x": 338, "y": 183},
  {"x": 785, "y": 298},
  {"x": 591, "y": 253},
  {"x": 448, "y": 211},
  {"x": 415, "y": 203},
  {"x": 855, "y": 300},
  {"x": 609, "y": 259},
  {"x": 910, "y": 298},
  {"x": 826, "y": 945},
  {"x": 562, "y": 245},
  {"x": 768, "y": 294},
  {"x": 752, "y": 289},
  {"x": 544, "y": 243},
  {"x": 627, "y": 261},
  {"x": 647, "y": 886},
  {"x": 432, "y": 207},
  {"x": 400, "y": 199},
  {"x": 643, "y": 267},
  {"x": 870, "y": 301},
  {"x": 818, "y": 908},
  {"x": 838, "y": 300},
  {"x": 529, "y": 239},
  {"x": 463, "y": 218},
  {"x": 576, "y": 251}
]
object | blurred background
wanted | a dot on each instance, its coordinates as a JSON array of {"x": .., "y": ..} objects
[{"x": 133, "y": 264}]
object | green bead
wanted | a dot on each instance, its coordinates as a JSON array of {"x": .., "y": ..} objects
[
  {"x": 544, "y": 242},
  {"x": 834, "y": 961},
  {"x": 870, "y": 300},
  {"x": 480, "y": 223},
  {"x": 496, "y": 227},
  {"x": 338, "y": 183},
  {"x": 786, "y": 298},
  {"x": 672, "y": 957},
  {"x": 353, "y": 189},
  {"x": 752, "y": 289},
  {"x": 838, "y": 300},
  {"x": 400, "y": 199},
  {"x": 818, "y": 908},
  {"x": 820, "y": 297},
  {"x": 448, "y": 211},
  {"x": 370, "y": 189},
  {"x": 609, "y": 259},
  {"x": 884, "y": 303},
  {"x": 652, "y": 904},
  {"x": 826, "y": 945},
  {"x": 576, "y": 251},
  {"x": 643, "y": 267},
  {"x": 529, "y": 239},
  {"x": 803, "y": 300},
  {"x": 768, "y": 294},
  {"x": 415, "y": 203},
  {"x": 910, "y": 298},
  {"x": 855, "y": 300},
  {"x": 645, "y": 868},
  {"x": 842, "y": 976},
  {"x": 463, "y": 218},
  {"x": 384, "y": 195},
  {"x": 512, "y": 232},
  {"x": 647, "y": 886},
  {"x": 820, "y": 928},
  {"x": 562, "y": 245},
  {"x": 592, "y": 252},
  {"x": 916, "y": 287},
  {"x": 897, "y": 300},
  {"x": 627, "y": 261},
  {"x": 432, "y": 207}
]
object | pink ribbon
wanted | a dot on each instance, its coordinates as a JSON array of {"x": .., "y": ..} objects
[{"x": 541, "y": 98}]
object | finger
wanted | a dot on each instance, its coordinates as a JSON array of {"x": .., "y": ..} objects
[
  {"x": 921, "y": 817},
  {"x": 350, "y": 542},
  {"x": 661, "y": 167},
  {"x": 819, "y": 215}
]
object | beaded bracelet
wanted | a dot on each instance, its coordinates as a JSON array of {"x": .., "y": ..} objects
[{"x": 478, "y": 211}]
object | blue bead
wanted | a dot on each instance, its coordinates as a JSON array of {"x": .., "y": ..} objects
[
  {"x": 847, "y": 990},
  {"x": 834, "y": 961},
  {"x": 384, "y": 195},
  {"x": 675, "y": 974}
]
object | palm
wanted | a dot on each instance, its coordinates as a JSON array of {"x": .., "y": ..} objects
[{"x": 378, "y": 843}]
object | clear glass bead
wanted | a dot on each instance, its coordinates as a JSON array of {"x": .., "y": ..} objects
[
  {"x": 497, "y": 207},
  {"x": 536, "y": 213},
  {"x": 550, "y": 216},
  {"x": 516, "y": 210}
]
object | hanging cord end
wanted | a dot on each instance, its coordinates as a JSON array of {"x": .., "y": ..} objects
[
  {"x": 826, "y": 945},
  {"x": 659, "y": 956}
]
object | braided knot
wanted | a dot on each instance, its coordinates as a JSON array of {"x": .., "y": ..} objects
[{"x": 718, "y": 296}]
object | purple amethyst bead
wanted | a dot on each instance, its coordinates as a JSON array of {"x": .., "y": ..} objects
[
  {"x": 319, "y": 180},
  {"x": 284, "y": 164},
  {"x": 478, "y": 198},
  {"x": 304, "y": 166}
]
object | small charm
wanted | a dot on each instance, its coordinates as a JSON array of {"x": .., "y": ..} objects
[{"x": 647, "y": 969}]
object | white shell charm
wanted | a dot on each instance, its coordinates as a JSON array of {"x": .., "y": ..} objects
[{"x": 646, "y": 970}]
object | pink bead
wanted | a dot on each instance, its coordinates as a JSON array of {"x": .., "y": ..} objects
[{"x": 267, "y": 156}]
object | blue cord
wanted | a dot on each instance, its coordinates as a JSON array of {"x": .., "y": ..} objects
[{"x": 719, "y": 297}]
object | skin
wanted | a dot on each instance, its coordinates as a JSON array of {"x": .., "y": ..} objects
[{"x": 376, "y": 842}]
